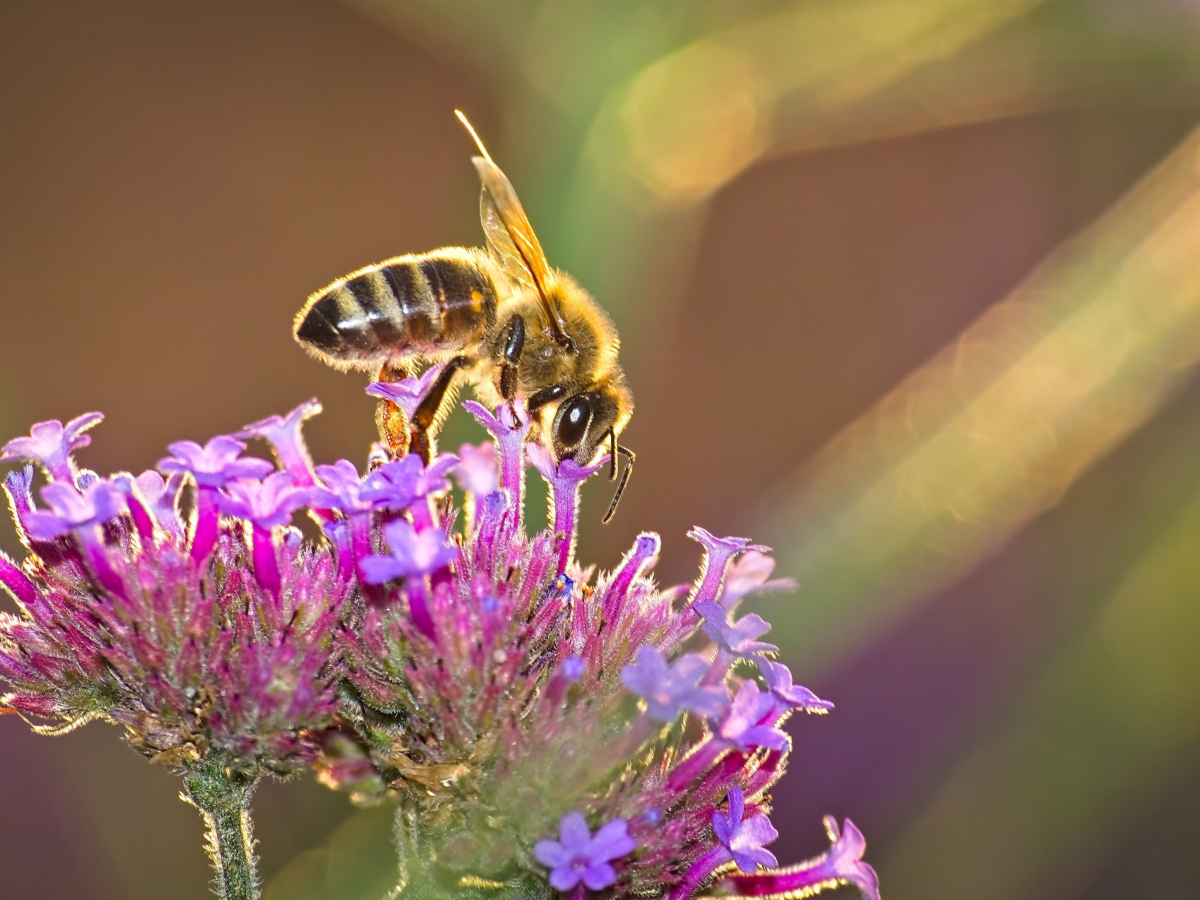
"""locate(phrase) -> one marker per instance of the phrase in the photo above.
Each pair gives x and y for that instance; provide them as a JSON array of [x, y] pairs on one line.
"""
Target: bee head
[[582, 423], [587, 423]]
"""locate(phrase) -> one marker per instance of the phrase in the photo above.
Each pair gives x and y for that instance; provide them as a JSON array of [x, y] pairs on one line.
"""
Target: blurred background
[[909, 289]]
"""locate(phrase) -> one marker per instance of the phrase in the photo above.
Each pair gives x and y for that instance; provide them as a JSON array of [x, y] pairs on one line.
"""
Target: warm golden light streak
[[1000, 423], [696, 118]]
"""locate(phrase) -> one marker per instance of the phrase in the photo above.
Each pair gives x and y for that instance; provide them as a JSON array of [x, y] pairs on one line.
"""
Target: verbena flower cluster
[[542, 729]]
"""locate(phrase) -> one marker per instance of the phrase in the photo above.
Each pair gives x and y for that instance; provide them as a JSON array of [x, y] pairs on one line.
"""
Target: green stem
[[223, 798]]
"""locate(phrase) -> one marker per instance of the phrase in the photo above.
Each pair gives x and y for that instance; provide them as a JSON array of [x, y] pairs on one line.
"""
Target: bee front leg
[[426, 416], [512, 356]]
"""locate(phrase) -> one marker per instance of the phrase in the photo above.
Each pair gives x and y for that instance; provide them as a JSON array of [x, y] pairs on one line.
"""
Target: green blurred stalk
[[223, 799]]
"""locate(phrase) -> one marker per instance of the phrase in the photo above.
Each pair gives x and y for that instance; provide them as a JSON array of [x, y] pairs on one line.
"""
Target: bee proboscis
[[501, 319]]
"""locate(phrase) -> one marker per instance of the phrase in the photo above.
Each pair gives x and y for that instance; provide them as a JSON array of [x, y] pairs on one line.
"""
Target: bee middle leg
[[512, 356], [426, 417]]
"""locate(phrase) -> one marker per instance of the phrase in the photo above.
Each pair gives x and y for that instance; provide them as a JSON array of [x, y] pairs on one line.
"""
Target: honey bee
[[501, 319]]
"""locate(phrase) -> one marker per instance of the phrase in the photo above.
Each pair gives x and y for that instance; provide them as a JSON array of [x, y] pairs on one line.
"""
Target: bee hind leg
[[389, 418]]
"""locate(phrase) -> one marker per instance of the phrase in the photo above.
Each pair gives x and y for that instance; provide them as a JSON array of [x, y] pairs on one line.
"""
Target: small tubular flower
[[579, 856], [744, 838], [215, 464], [71, 510], [735, 638], [50, 444], [746, 725], [283, 433], [779, 681], [413, 553], [841, 865], [211, 467], [671, 689], [408, 392]]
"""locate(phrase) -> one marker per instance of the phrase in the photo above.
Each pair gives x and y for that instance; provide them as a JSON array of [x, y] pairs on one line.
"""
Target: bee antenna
[[612, 507], [612, 457], [478, 143]]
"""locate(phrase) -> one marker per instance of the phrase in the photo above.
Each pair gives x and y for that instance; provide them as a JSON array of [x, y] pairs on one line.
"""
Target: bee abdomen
[[407, 306]]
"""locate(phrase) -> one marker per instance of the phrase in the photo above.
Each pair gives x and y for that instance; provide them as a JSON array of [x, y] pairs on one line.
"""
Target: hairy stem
[[223, 798]]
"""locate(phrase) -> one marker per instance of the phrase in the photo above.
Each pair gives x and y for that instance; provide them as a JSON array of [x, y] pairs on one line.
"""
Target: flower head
[[579, 856], [501, 693], [225, 664]]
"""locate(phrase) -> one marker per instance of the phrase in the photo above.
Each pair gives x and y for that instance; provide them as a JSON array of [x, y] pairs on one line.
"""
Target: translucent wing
[[509, 234], [501, 245]]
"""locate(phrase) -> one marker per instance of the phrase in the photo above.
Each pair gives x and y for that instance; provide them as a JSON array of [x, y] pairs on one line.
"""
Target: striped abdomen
[[407, 306]]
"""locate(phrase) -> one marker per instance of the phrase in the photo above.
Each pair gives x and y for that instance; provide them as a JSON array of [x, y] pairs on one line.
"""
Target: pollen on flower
[[540, 726]]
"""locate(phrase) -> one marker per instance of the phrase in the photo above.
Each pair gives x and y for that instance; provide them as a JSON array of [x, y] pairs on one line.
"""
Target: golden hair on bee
[[501, 319]]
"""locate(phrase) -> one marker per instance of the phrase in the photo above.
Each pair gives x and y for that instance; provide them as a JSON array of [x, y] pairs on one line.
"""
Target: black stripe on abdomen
[[415, 301]]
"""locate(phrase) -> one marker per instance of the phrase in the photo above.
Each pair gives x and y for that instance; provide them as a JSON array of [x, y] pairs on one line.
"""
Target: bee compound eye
[[573, 420]]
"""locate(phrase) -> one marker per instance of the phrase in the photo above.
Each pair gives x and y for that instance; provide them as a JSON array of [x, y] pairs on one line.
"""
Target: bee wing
[[501, 245], [511, 237]]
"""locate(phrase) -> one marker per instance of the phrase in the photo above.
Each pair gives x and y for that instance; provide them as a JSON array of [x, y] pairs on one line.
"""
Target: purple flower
[[408, 392], [670, 689], [339, 488], [476, 471], [215, 464], [779, 682], [748, 575], [743, 724], [508, 426], [738, 638], [268, 503], [51, 444], [396, 485], [744, 839], [579, 856], [433, 477], [413, 553], [72, 510], [283, 433]]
